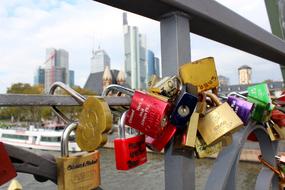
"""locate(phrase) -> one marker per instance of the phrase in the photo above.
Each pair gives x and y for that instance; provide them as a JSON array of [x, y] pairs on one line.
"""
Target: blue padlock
[[183, 109]]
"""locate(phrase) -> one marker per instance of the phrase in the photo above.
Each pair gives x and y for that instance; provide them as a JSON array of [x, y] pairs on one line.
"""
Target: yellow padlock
[[220, 121], [200, 74], [274, 131], [95, 121], [202, 150], [79, 171]]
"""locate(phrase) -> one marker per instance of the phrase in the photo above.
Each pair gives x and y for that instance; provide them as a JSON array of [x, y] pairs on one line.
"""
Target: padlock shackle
[[214, 98], [78, 97], [122, 128], [237, 94], [64, 138], [119, 88]]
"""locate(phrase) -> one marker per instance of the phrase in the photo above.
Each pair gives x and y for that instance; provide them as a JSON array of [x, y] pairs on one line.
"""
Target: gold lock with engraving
[[200, 75], [79, 171], [203, 150], [168, 86], [95, 121], [152, 81], [220, 121]]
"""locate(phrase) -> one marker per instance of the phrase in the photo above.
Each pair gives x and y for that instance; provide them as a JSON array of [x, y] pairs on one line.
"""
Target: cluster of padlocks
[[184, 108]]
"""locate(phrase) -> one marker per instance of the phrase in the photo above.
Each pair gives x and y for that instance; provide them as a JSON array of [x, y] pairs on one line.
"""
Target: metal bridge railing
[[209, 19]]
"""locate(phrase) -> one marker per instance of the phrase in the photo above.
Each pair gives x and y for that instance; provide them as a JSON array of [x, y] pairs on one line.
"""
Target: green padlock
[[259, 95]]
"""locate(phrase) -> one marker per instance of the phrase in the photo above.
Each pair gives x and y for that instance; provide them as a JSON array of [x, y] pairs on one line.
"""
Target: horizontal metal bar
[[214, 21], [53, 100]]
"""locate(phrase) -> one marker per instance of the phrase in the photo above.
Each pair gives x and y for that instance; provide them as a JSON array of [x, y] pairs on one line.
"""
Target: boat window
[[71, 139], [50, 139], [11, 136]]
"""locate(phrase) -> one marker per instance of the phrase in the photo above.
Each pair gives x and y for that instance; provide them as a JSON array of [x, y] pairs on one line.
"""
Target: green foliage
[[36, 113]]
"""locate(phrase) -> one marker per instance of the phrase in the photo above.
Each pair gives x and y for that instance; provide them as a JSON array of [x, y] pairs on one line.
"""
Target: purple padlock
[[242, 107]]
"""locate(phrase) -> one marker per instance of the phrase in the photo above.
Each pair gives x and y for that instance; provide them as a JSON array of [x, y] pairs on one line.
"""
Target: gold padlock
[[278, 129], [190, 74], [274, 131], [95, 121], [77, 172], [152, 81], [168, 86], [220, 121], [202, 150], [191, 131]]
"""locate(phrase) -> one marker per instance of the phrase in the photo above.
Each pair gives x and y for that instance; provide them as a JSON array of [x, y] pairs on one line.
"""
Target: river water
[[149, 176]]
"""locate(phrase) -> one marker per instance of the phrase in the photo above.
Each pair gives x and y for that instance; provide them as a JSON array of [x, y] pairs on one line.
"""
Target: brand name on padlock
[[81, 165], [208, 84]]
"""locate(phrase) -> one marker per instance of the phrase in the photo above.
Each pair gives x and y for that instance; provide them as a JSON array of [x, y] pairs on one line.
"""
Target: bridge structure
[[178, 19]]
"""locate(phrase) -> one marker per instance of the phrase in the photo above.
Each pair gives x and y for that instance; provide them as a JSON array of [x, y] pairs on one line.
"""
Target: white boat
[[44, 139]]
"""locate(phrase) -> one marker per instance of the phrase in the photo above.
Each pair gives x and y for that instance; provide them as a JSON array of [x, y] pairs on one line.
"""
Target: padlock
[[191, 132], [281, 158], [273, 135], [218, 122], [259, 95], [157, 144], [202, 150], [168, 86], [190, 74], [242, 107], [148, 113], [95, 120], [275, 130], [152, 81], [278, 117], [183, 109], [129, 152], [78, 171], [7, 170]]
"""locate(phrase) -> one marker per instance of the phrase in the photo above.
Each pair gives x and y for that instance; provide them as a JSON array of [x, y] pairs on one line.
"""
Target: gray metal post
[[175, 50]]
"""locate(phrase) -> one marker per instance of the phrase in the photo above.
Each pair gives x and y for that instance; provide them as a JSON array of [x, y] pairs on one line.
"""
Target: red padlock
[[148, 113], [7, 170], [278, 117], [157, 144], [129, 152]]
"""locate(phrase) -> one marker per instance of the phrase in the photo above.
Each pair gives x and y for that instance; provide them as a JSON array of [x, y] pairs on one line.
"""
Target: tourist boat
[[47, 138]]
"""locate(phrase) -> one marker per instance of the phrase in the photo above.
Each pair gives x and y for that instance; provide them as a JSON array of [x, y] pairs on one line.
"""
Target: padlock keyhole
[[183, 110]]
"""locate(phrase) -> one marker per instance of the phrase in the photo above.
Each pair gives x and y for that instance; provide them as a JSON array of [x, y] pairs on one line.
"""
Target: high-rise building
[[244, 74], [135, 56], [56, 67], [157, 66], [99, 60], [71, 78], [150, 63], [39, 78]]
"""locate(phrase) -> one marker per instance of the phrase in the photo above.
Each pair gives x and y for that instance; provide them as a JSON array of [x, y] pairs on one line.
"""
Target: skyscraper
[[150, 63], [39, 78], [135, 56], [71, 78], [56, 67], [99, 60], [157, 66]]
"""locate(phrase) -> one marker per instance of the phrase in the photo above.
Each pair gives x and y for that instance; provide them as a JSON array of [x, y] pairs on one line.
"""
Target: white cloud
[[29, 27]]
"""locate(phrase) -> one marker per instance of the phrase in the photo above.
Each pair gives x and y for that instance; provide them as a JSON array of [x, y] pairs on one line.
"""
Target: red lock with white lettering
[[148, 113], [7, 170], [129, 152], [157, 144]]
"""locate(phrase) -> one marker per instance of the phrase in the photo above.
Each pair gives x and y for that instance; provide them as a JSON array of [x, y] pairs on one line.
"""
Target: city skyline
[[77, 27]]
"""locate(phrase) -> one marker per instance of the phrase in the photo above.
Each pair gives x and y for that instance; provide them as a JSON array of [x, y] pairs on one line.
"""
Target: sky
[[78, 26]]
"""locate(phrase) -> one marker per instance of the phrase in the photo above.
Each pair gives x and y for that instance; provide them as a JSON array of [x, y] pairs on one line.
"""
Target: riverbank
[[247, 155]]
